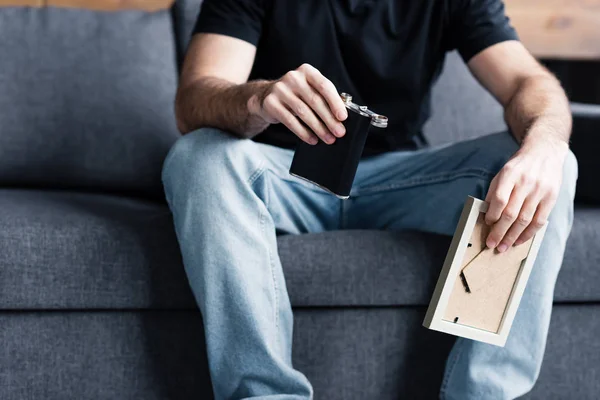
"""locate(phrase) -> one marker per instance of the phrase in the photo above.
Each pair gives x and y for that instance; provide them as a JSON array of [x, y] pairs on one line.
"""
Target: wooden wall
[[558, 29], [565, 34]]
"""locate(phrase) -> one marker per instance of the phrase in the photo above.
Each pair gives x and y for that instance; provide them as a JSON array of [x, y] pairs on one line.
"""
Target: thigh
[[295, 205], [425, 190], [216, 173]]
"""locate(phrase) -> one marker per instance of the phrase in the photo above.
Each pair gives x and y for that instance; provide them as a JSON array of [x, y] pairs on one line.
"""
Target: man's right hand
[[304, 101]]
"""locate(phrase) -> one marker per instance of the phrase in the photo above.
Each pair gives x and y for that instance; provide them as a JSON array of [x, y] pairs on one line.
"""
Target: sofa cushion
[[401, 268], [86, 98], [347, 354], [61, 250], [103, 355], [71, 250]]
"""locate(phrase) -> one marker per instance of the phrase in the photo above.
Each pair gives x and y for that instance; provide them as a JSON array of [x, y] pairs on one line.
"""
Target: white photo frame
[[479, 289]]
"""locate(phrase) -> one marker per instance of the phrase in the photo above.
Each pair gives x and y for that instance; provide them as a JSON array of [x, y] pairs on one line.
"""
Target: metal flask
[[333, 167]]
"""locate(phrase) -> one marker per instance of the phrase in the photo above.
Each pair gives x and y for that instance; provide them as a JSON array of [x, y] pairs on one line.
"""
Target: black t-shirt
[[385, 53]]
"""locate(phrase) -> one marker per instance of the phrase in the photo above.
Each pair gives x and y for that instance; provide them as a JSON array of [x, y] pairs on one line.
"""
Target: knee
[[204, 161], [195, 151], [557, 233], [569, 180], [566, 195]]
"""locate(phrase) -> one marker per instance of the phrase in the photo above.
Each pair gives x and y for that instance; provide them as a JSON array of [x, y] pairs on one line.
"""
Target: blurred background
[[565, 35]]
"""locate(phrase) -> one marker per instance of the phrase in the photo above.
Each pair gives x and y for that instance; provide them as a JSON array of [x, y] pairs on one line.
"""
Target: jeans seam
[[272, 265], [259, 171], [451, 368], [430, 180], [263, 216]]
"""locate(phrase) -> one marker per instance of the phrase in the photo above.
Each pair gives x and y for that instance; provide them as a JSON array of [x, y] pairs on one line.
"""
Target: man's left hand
[[524, 192]]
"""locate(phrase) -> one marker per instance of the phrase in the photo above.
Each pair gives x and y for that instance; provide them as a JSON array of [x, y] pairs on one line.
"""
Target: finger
[[539, 220], [327, 89], [306, 114], [508, 217], [522, 222], [498, 196], [320, 106], [277, 110], [298, 82]]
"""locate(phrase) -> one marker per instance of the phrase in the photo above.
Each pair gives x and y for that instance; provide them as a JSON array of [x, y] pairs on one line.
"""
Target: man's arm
[[213, 89], [214, 92], [537, 111], [533, 98]]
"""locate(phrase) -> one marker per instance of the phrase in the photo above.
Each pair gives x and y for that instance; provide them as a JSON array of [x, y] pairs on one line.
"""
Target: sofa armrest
[[585, 143]]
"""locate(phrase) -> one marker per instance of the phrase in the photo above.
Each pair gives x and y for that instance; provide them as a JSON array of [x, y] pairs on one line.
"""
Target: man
[[271, 71]]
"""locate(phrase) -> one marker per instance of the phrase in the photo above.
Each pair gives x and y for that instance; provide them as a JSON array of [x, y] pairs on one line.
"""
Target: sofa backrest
[[185, 13], [86, 97], [461, 107]]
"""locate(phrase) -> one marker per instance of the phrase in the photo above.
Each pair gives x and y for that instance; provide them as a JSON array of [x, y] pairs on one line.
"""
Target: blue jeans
[[229, 196]]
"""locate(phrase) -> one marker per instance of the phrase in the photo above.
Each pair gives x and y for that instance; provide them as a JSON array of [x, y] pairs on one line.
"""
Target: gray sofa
[[94, 303]]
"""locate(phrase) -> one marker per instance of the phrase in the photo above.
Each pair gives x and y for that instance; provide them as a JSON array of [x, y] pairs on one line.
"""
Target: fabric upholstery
[[77, 251], [73, 251], [570, 369], [102, 356], [348, 354], [185, 13], [385, 268], [86, 98], [461, 108], [585, 143]]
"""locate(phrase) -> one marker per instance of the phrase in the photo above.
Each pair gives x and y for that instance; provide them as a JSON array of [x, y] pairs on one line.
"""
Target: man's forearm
[[214, 102], [539, 110]]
